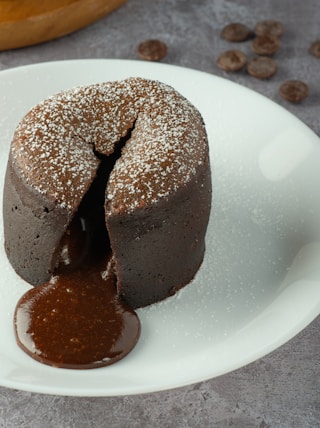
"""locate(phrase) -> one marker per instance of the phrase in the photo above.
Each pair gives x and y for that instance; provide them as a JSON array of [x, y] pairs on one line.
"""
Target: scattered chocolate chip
[[262, 67], [152, 50], [233, 60], [294, 90], [265, 45], [315, 49], [269, 27], [236, 32]]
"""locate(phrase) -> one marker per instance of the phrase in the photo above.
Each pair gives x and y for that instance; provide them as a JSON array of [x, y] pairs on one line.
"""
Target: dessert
[[158, 195], [112, 178]]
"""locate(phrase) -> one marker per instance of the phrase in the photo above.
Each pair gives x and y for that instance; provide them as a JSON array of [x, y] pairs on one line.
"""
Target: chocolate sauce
[[77, 320]]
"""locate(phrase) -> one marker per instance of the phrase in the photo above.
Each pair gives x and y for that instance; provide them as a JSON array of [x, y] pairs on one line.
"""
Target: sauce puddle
[[77, 320]]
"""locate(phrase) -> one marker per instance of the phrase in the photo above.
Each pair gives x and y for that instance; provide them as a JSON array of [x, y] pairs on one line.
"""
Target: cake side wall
[[33, 227], [157, 250]]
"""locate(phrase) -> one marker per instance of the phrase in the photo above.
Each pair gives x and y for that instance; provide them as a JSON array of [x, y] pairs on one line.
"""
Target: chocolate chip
[[265, 45], [294, 90], [315, 49], [232, 60], [269, 27], [236, 32], [262, 67], [152, 50]]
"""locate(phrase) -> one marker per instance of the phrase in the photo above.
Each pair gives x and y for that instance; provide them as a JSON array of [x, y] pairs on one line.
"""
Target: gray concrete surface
[[283, 388]]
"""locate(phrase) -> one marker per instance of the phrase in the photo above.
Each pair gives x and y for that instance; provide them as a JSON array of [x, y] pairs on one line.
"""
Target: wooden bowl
[[28, 22]]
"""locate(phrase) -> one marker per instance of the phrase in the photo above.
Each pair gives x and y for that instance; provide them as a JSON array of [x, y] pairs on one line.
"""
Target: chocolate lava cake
[[148, 146]]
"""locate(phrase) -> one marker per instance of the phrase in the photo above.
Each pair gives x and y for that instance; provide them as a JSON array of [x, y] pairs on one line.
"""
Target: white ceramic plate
[[260, 281]]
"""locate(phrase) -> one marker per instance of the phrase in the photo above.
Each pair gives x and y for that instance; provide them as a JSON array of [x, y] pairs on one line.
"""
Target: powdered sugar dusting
[[57, 139]]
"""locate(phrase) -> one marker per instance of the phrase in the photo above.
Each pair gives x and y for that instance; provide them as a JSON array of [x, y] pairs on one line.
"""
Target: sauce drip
[[77, 320]]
